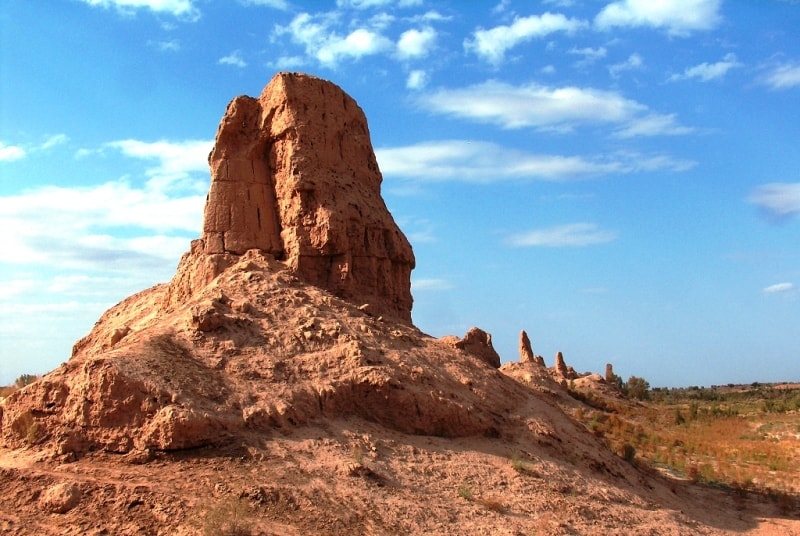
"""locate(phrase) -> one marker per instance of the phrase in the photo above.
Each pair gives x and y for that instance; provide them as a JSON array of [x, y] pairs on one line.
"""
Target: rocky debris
[[60, 498], [293, 174], [477, 343], [118, 334]]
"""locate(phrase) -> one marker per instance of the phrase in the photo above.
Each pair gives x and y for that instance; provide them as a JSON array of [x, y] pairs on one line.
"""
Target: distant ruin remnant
[[610, 373], [525, 350], [561, 366]]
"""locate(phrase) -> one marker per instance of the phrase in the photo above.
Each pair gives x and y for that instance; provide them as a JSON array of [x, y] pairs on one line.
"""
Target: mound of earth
[[277, 386]]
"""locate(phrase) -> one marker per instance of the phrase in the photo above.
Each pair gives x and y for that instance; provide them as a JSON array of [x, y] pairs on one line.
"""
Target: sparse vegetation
[[491, 503], [637, 388], [519, 465], [19, 383], [230, 517], [740, 437], [25, 379], [358, 454]]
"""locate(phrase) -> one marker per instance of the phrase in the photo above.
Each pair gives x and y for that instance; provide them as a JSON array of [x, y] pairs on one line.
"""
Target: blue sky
[[619, 178]]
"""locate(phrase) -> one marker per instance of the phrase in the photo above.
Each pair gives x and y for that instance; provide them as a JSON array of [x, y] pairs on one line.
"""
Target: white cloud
[[501, 7], [778, 288], [173, 45], [484, 162], [532, 105], [545, 108], [783, 76], [709, 71], [184, 9], [492, 44], [52, 141], [430, 284], [678, 17], [176, 161], [9, 153], [633, 62], [417, 79], [365, 4], [653, 125], [416, 43], [568, 235], [780, 200], [321, 42], [234, 58], [114, 225], [589, 54], [277, 4]]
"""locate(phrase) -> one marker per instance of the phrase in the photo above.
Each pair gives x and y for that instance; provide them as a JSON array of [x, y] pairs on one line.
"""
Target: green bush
[[637, 388]]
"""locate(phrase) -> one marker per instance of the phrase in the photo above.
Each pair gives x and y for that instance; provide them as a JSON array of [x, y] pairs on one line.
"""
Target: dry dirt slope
[[311, 416]]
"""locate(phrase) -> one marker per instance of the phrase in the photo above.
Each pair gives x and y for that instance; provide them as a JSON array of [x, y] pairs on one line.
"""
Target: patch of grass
[[229, 517], [519, 465], [465, 492]]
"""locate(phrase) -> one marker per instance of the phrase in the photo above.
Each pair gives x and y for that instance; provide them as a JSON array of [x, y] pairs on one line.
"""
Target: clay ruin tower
[[293, 173]]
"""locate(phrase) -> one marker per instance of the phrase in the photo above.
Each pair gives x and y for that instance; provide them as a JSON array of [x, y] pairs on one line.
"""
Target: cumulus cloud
[[784, 76], [115, 225], [547, 108], [633, 62], [416, 43], [778, 200], [234, 58], [9, 153], [484, 162], [417, 79], [77, 232], [709, 71], [176, 161], [568, 235], [677, 17], [778, 288], [492, 44], [183, 9], [316, 34]]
